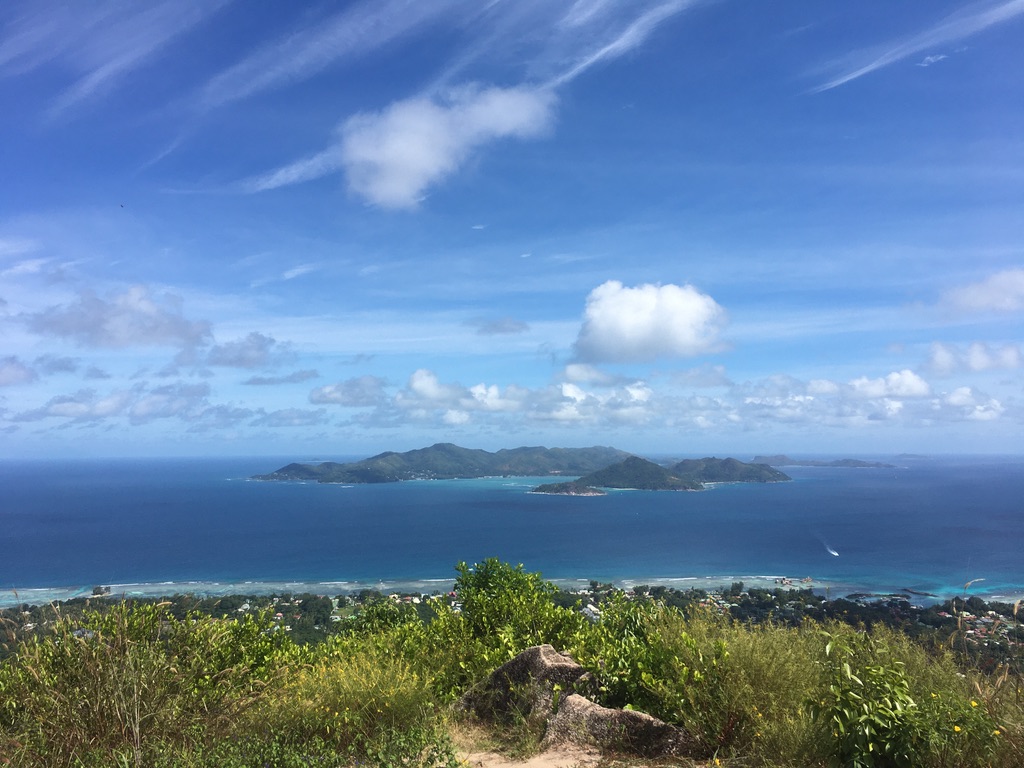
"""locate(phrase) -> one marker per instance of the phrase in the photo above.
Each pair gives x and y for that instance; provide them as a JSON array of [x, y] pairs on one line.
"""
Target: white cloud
[[491, 398], [424, 385], [133, 318], [903, 383], [358, 392], [927, 61], [392, 157], [822, 387], [455, 418], [946, 359], [980, 357], [83, 406], [13, 371], [970, 20], [296, 377], [1001, 292], [174, 400], [973, 406], [642, 324], [583, 373], [254, 351]]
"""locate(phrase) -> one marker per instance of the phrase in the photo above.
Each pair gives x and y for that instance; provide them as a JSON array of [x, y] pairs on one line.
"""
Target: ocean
[[147, 527]]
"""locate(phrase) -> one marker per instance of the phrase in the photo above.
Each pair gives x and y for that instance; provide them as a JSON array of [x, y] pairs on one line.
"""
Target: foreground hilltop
[[445, 461]]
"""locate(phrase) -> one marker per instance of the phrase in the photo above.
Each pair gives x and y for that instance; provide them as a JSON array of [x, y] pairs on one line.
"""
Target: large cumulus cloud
[[648, 322]]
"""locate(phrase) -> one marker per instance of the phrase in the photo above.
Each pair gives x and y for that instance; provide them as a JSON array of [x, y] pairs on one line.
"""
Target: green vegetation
[[140, 685], [445, 461], [639, 474], [571, 488], [711, 470]]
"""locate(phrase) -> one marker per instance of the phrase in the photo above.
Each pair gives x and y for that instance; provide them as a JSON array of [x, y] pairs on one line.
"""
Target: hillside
[[639, 474], [687, 475], [445, 461], [712, 470]]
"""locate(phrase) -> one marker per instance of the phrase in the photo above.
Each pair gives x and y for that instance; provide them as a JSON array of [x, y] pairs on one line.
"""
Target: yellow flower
[[997, 732], [956, 729], [974, 703]]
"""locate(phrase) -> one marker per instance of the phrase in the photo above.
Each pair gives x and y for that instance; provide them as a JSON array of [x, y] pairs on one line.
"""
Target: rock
[[527, 685], [581, 721]]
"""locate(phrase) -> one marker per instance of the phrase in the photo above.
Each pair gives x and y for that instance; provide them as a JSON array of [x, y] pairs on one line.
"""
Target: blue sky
[[672, 227]]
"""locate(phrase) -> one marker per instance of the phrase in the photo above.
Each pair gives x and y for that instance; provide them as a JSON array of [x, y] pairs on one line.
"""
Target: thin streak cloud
[[631, 37], [978, 17], [307, 51]]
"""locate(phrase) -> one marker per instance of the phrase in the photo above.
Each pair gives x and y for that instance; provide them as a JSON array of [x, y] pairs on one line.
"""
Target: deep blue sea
[[177, 525]]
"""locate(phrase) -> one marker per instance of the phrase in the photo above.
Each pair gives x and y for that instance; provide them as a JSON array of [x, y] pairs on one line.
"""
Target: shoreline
[[14, 596]]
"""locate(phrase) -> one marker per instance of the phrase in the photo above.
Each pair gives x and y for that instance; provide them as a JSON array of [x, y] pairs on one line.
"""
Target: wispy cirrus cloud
[[392, 156], [307, 50], [966, 22], [96, 45]]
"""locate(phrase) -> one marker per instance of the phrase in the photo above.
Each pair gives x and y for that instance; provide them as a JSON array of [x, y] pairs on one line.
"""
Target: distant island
[[784, 461], [445, 461], [635, 473], [596, 468], [571, 488]]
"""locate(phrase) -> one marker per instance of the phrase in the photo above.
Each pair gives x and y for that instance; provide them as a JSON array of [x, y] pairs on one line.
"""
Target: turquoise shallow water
[[199, 525]]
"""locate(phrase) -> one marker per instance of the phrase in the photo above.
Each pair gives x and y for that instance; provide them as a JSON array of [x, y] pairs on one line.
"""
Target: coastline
[[15, 596]]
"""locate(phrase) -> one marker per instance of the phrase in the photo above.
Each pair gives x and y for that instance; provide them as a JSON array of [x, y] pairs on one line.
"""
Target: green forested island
[[688, 475], [445, 461], [781, 460], [597, 467]]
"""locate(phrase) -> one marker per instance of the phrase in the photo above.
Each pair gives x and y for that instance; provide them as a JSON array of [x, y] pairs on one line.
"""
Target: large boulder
[[543, 684], [581, 721], [526, 685]]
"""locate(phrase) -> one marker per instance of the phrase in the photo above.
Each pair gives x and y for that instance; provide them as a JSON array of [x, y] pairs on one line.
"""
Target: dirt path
[[563, 757]]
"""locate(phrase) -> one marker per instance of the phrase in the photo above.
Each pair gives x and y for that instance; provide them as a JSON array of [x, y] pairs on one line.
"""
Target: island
[[571, 488], [445, 461], [782, 460], [634, 473]]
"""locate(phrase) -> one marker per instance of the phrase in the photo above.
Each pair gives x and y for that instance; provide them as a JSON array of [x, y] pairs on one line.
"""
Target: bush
[[355, 701], [130, 684]]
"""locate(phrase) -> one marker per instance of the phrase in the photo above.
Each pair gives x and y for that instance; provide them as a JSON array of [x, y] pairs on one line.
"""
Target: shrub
[[355, 701], [130, 684]]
